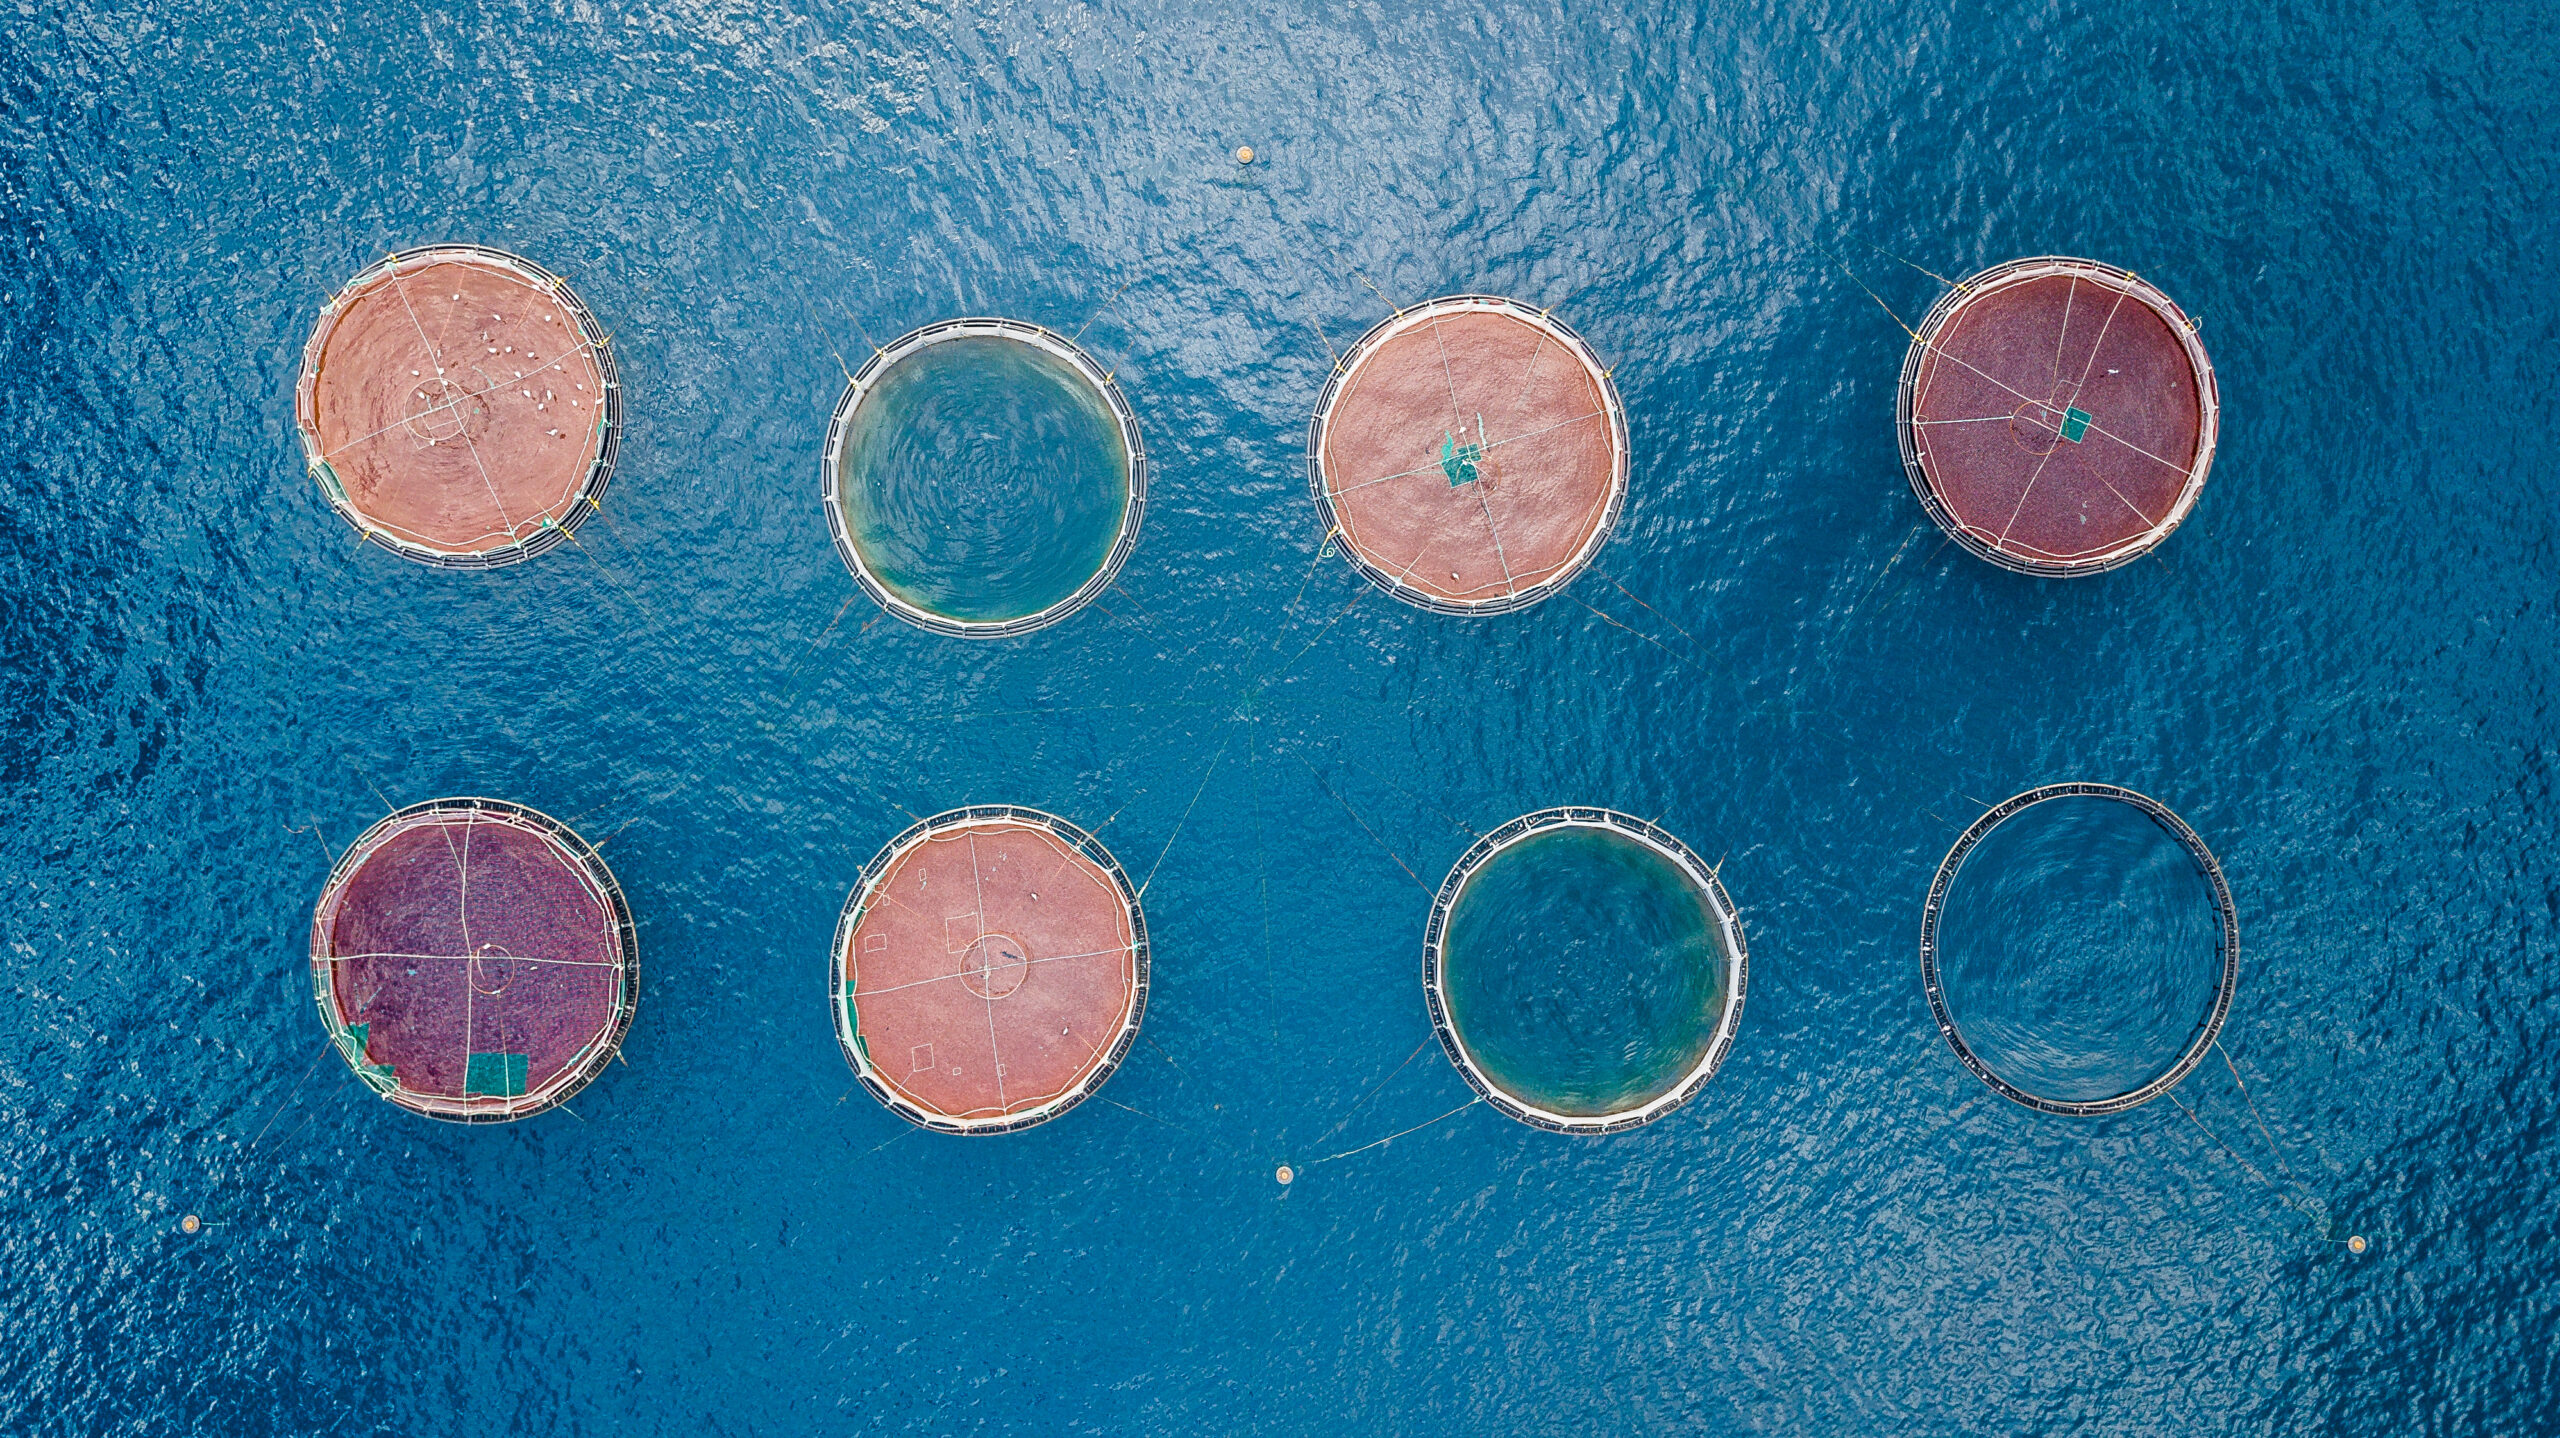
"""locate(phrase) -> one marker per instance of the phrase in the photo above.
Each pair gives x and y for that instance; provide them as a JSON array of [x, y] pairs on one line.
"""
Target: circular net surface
[[1470, 456], [474, 960], [990, 970], [1584, 970], [2080, 949], [2057, 416], [983, 478], [459, 406]]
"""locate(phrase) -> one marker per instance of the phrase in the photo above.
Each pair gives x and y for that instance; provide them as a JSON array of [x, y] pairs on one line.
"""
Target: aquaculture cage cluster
[[459, 406], [474, 960], [990, 970], [873, 413], [2226, 976], [2057, 416], [1723, 929], [1469, 455]]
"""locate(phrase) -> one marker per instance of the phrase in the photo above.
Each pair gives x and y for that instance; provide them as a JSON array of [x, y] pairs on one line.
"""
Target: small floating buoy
[[1244, 156], [2355, 1243], [1285, 1175], [191, 1223]]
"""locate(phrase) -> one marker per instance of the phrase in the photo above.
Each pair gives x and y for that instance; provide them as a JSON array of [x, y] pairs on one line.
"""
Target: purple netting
[[468, 934]]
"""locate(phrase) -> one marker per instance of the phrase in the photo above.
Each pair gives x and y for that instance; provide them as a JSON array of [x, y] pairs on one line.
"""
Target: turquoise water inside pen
[[984, 479], [2079, 949], [1583, 972], [2340, 670]]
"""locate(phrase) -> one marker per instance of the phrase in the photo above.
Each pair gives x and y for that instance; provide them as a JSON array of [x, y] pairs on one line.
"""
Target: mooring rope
[[1871, 294], [1177, 1128], [1289, 611], [2252, 1101], [792, 699], [327, 1047], [1898, 551], [1399, 1133], [2319, 1221], [1205, 776], [1168, 1058], [1924, 269], [1640, 604], [2273, 1148], [313, 829], [904, 1129], [1348, 605], [1262, 878], [1676, 656], [1460, 824], [1364, 826], [1106, 307], [1349, 1113]]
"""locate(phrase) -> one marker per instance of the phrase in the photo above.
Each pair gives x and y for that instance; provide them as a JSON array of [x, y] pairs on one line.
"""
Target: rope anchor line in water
[[2309, 1205], [1399, 1133], [1364, 826], [1362, 1101]]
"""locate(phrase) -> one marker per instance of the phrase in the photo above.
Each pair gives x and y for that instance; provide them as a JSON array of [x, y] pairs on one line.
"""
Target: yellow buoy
[[1244, 156], [191, 1223], [1285, 1174], [2355, 1243]]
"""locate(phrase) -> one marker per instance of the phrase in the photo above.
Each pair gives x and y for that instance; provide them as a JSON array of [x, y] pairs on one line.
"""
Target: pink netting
[[2058, 418], [469, 935]]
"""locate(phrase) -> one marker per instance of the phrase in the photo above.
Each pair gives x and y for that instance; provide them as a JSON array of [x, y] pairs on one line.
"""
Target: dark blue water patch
[[2078, 949], [984, 479], [1584, 971]]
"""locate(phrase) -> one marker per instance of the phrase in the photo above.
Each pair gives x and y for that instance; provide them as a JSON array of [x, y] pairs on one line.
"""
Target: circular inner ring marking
[[995, 965], [2036, 426], [440, 411], [492, 972]]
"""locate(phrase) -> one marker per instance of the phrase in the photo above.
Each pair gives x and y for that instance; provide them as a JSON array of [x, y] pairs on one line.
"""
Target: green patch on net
[[1459, 461]]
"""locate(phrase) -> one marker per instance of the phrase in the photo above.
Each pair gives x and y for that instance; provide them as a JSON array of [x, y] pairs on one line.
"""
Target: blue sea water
[[2079, 949], [2341, 671], [1583, 971]]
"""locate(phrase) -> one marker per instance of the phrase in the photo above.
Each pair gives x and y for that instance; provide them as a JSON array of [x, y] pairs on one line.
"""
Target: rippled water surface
[[1583, 971], [2078, 949], [983, 479], [2340, 671]]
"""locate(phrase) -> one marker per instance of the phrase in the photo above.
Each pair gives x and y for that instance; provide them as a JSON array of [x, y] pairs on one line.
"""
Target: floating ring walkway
[[1728, 934], [459, 406], [474, 960], [2226, 944], [2057, 416], [989, 970], [1469, 454], [865, 384]]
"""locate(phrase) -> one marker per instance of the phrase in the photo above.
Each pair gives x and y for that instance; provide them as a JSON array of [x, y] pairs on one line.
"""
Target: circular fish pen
[[983, 478], [2092, 968], [2057, 416], [1584, 971], [990, 970], [474, 960], [459, 406], [1469, 455]]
